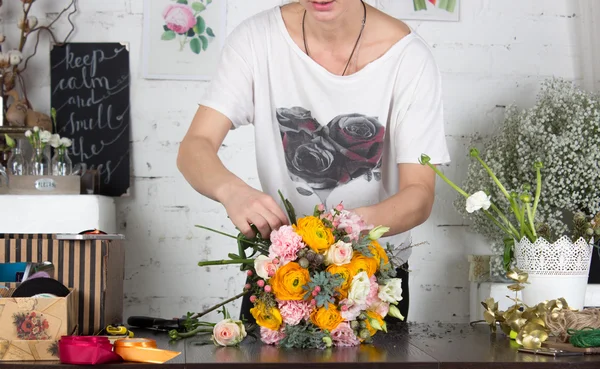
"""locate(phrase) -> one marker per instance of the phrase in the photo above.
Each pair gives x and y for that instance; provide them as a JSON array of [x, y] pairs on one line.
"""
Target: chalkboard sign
[[90, 92]]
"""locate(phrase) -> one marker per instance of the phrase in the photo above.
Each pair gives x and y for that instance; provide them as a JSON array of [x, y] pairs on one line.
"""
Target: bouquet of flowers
[[322, 281]]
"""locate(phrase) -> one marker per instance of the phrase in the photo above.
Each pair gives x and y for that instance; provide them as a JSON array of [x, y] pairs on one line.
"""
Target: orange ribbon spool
[[142, 350]]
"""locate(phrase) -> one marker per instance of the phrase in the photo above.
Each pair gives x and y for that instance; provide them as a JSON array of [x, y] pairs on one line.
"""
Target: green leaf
[[201, 24], [208, 2], [165, 28], [168, 35], [198, 6], [191, 32], [204, 42], [182, 2], [195, 45], [210, 32]]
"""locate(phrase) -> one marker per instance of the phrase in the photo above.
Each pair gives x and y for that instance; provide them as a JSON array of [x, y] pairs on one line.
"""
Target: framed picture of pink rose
[[183, 38], [429, 10]]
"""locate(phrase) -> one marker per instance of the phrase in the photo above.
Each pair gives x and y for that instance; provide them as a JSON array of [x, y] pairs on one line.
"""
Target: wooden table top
[[421, 346]]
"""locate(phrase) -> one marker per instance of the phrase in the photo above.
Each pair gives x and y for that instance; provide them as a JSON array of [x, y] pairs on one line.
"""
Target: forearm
[[401, 212], [202, 168]]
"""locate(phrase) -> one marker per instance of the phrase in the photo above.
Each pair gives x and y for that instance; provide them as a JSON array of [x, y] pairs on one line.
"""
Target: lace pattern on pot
[[562, 257]]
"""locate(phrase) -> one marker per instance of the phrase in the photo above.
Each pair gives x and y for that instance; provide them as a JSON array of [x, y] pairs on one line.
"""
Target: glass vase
[[61, 163], [17, 165], [39, 165]]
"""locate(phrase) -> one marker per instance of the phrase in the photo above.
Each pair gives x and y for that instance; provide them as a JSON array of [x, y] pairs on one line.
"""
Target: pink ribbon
[[86, 350]]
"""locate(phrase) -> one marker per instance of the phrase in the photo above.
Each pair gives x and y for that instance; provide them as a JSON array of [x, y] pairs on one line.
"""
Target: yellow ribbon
[[142, 350]]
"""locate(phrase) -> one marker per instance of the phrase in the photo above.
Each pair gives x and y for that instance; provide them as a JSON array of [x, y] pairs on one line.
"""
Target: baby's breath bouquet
[[562, 130]]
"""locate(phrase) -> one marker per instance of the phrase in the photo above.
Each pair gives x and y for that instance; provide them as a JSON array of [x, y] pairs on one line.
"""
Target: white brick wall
[[496, 55]]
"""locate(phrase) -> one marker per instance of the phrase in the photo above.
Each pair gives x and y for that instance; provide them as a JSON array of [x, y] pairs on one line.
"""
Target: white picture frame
[[174, 49]]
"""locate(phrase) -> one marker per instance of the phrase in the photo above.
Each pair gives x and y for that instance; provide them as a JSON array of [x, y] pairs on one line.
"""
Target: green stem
[[442, 176], [225, 262], [231, 236], [491, 217], [176, 335], [538, 189], [496, 180], [199, 315], [530, 216], [510, 226], [419, 5]]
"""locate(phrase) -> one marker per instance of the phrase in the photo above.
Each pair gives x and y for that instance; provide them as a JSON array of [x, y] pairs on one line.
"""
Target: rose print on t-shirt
[[327, 156]]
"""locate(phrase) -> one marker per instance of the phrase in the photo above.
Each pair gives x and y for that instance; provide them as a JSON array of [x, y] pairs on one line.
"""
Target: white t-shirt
[[324, 138]]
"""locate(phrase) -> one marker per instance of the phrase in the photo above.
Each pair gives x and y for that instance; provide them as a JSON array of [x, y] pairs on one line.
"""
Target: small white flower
[[28, 133], [45, 136], [15, 57], [478, 200], [54, 140], [36, 129], [359, 289], [65, 142], [391, 292]]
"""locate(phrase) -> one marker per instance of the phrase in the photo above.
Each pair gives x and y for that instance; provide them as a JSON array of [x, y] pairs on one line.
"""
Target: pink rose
[[343, 336], [264, 266], [293, 312], [339, 253], [271, 337], [228, 332], [285, 244], [351, 223], [380, 307], [179, 18]]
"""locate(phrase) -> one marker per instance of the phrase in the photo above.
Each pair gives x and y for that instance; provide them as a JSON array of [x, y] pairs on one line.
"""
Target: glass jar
[[17, 165], [61, 163], [39, 165]]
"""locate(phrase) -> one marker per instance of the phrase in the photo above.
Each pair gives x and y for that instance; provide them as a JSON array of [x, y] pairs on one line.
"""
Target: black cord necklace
[[357, 40]]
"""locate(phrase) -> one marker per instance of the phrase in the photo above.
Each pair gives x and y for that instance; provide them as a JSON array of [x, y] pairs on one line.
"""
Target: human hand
[[247, 206]]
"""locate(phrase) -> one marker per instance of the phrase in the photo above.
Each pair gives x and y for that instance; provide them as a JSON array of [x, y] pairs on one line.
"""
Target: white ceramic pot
[[555, 270]]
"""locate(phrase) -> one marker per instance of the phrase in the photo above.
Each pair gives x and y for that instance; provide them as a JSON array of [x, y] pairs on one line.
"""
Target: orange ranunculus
[[346, 274], [378, 253], [378, 318], [314, 233], [326, 318], [268, 318], [288, 282], [361, 263]]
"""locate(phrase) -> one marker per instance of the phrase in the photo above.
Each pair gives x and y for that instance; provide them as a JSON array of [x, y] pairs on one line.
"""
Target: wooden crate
[[42, 185]]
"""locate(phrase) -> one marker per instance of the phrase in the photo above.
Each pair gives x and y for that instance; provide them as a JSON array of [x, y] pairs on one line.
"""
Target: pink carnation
[[285, 244], [374, 289], [343, 336], [271, 337], [179, 18], [351, 311], [351, 223], [293, 312]]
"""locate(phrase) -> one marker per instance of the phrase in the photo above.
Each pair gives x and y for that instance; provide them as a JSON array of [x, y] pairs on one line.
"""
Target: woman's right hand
[[246, 206]]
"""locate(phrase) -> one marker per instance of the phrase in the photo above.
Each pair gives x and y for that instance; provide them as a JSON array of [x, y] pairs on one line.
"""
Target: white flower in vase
[[478, 200], [65, 142], [55, 140], [45, 136]]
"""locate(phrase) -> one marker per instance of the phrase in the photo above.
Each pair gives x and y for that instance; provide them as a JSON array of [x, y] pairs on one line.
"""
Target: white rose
[[28, 133], [339, 253], [228, 332], [478, 200], [359, 289], [392, 291], [45, 136], [54, 140], [264, 267], [65, 142]]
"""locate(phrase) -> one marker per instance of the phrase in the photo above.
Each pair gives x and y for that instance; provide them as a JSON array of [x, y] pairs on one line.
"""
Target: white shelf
[[56, 213]]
